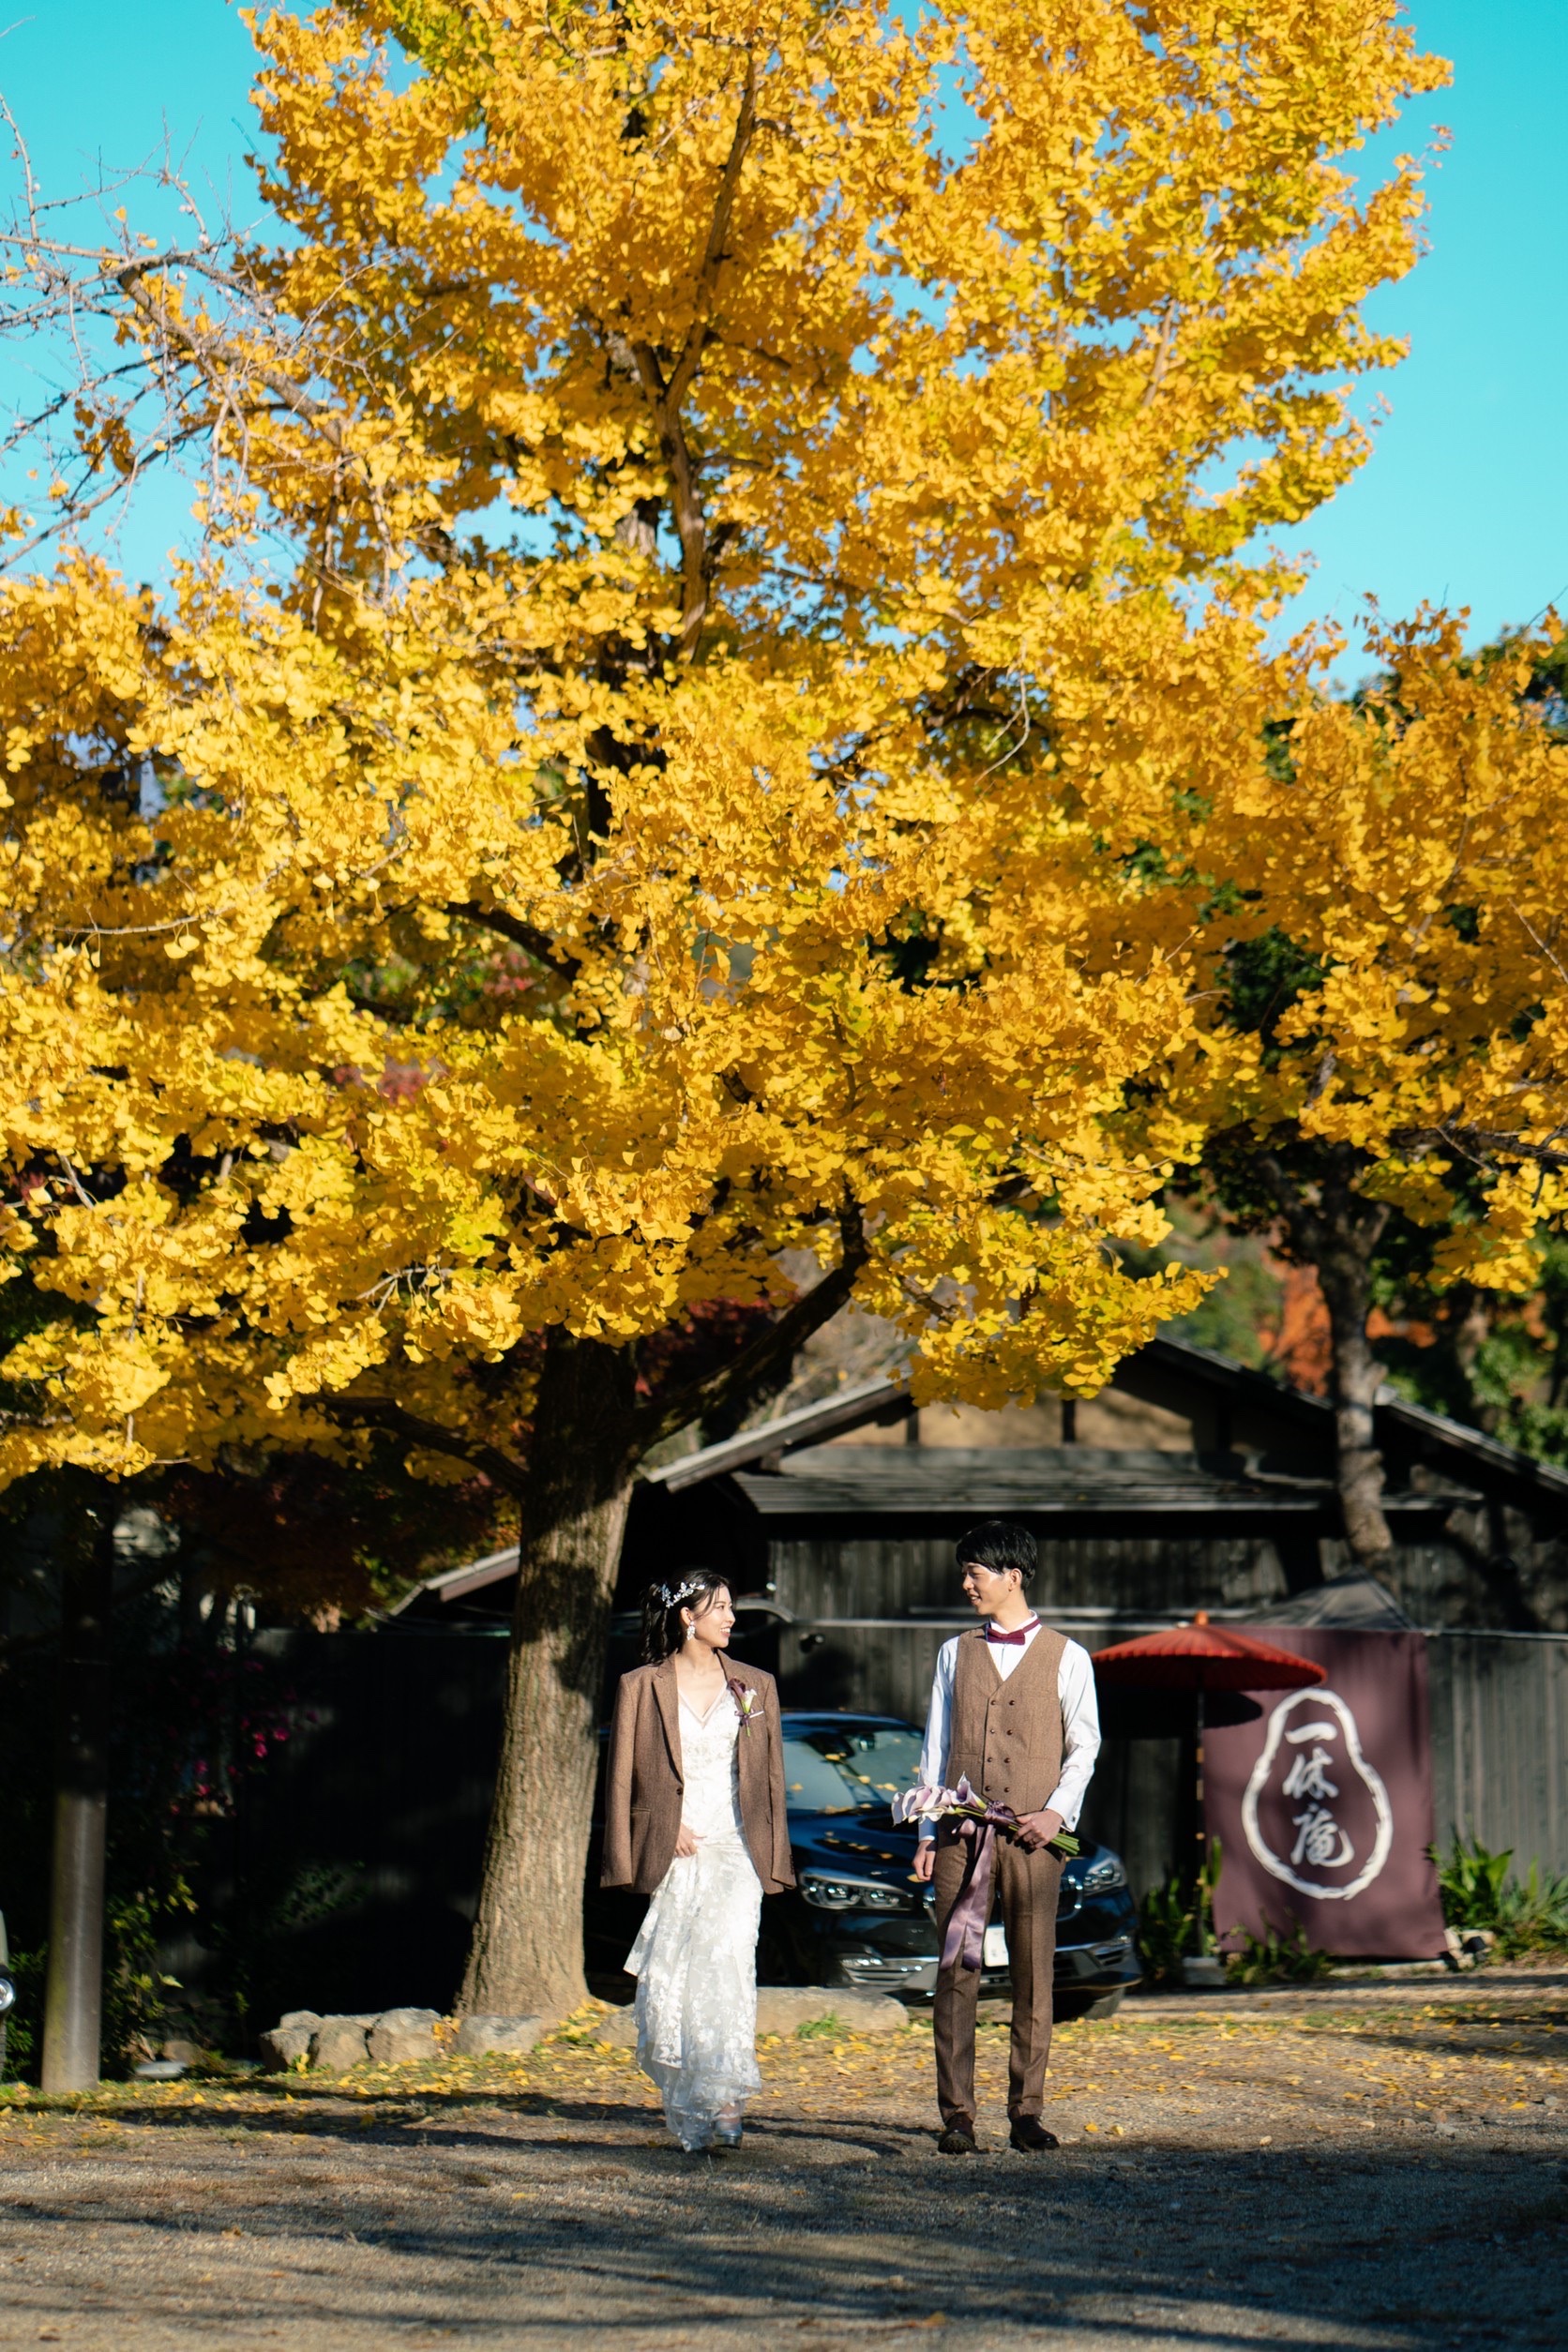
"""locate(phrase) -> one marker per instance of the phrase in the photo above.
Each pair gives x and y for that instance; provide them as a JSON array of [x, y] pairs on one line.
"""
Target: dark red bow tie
[[1019, 1637]]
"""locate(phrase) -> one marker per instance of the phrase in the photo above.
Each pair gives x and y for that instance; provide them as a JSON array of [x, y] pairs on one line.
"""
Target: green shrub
[[1165, 1931], [1177, 1920], [1275, 1959], [1480, 1892], [1471, 1880], [1533, 1913]]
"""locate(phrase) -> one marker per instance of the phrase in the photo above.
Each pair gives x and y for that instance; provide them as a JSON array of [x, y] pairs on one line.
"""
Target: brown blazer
[[643, 1784]]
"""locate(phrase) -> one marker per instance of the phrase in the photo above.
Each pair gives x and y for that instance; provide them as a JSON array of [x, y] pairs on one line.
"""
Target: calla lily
[[747, 1701], [924, 1804]]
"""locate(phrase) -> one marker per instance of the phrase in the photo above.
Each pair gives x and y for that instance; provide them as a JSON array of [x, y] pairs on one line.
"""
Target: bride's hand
[[686, 1843]]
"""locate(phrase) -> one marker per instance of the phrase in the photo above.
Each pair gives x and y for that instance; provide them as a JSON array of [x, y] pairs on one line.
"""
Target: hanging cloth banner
[[1323, 1807]]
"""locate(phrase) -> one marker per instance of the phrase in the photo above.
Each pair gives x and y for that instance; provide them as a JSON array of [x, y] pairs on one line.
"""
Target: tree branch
[[809, 1312], [383, 1412], [214, 354], [718, 230], [667, 397], [1481, 1145], [537, 943], [210, 350]]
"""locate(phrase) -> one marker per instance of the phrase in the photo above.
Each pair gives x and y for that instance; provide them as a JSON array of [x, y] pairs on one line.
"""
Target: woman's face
[[711, 1619]]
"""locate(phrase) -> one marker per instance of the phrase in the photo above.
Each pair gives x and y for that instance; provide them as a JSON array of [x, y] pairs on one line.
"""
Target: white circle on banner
[[1323, 1827]]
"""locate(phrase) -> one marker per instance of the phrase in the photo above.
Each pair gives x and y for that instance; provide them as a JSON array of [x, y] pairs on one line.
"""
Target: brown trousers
[[1028, 1885]]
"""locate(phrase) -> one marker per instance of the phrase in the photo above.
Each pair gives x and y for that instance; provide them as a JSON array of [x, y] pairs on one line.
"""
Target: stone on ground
[[497, 2036], [403, 2037], [785, 2008], [285, 2045], [619, 2030], [337, 2044]]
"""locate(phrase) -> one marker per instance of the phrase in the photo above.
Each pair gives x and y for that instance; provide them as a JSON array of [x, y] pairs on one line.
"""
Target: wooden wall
[[1142, 1800], [837, 1573], [1500, 1734], [384, 1789], [1499, 1742]]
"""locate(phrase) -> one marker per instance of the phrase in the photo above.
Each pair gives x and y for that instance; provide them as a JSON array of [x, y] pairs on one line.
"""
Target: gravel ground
[[1379, 2173]]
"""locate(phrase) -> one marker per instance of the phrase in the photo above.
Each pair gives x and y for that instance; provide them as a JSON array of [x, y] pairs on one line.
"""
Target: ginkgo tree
[[1387, 1027], [743, 478]]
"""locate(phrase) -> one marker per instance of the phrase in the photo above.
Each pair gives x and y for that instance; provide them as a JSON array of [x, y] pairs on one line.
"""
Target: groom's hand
[[924, 1859], [1037, 1830]]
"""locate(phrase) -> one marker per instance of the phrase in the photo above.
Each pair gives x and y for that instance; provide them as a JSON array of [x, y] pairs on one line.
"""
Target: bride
[[694, 1817]]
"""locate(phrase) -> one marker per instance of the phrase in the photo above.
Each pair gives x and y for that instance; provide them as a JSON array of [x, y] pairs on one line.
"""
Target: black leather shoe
[[1030, 2134], [958, 2140]]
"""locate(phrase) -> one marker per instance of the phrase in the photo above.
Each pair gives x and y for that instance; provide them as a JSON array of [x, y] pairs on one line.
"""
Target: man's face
[[988, 1589]]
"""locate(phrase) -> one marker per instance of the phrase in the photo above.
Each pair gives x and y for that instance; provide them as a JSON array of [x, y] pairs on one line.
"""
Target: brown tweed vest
[[1007, 1736]]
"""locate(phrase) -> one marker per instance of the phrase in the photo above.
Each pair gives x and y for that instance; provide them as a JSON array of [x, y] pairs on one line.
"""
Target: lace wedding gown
[[695, 1957]]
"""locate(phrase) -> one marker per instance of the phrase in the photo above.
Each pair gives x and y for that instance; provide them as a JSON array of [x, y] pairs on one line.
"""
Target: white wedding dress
[[695, 1957]]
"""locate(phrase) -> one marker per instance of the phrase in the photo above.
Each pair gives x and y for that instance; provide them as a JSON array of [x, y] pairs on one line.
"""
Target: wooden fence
[[1499, 1742]]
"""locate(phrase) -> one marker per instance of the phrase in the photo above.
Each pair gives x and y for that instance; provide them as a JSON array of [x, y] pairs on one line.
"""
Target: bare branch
[[666, 397], [537, 943], [1483, 1146], [433, 1436], [775, 1344]]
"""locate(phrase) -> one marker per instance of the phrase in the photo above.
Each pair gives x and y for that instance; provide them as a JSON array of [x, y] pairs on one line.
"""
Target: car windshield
[[850, 1768]]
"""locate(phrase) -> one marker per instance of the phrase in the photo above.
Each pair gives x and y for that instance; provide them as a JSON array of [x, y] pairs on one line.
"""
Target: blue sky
[[1464, 501]]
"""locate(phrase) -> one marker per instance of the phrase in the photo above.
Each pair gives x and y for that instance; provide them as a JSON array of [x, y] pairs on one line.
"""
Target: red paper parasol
[[1201, 1657]]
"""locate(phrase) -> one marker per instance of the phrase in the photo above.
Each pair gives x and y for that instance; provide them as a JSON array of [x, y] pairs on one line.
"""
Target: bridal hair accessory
[[681, 1592], [978, 1824]]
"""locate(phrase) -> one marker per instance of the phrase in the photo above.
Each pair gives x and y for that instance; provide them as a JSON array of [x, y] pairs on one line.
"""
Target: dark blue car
[[858, 1915]]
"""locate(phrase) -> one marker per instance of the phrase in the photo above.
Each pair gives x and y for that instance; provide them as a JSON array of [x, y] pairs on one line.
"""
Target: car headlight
[[1102, 1876], [853, 1894]]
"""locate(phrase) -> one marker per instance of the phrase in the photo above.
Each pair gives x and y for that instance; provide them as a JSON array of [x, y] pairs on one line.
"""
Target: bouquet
[[979, 1822], [939, 1804]]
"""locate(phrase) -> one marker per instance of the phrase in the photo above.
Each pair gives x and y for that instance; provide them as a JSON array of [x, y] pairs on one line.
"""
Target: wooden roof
[[1044, 1481]]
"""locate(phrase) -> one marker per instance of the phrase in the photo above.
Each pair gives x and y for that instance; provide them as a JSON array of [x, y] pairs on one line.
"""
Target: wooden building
[[1191, 1483]]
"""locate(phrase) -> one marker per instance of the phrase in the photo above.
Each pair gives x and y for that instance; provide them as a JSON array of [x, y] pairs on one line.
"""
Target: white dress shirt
[[1081, 1722]]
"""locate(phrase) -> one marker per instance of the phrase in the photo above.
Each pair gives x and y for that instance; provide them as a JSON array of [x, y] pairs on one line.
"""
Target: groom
[[1012, 1706]]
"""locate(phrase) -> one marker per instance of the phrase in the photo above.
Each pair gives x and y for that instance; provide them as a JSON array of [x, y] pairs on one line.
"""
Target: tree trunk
[[73, 1995], [1329, 1224], [526, 1956], [1345, 1272]]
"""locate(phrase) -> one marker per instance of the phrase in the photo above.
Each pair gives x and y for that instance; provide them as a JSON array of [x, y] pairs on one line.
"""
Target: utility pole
[[73, 1996], [8, 1991]]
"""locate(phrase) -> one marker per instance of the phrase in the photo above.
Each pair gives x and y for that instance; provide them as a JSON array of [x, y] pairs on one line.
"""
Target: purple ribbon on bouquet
[[965, 1939], [978, 1822]]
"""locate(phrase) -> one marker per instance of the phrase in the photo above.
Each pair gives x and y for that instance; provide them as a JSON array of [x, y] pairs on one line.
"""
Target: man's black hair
[[999, 1544]]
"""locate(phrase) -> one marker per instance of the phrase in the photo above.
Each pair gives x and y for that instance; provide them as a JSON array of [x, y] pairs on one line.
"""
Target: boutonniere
[[748, 1703]]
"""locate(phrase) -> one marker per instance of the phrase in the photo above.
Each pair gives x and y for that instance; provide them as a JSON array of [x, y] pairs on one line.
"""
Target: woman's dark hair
[[999, 1544], [688, 1589]]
